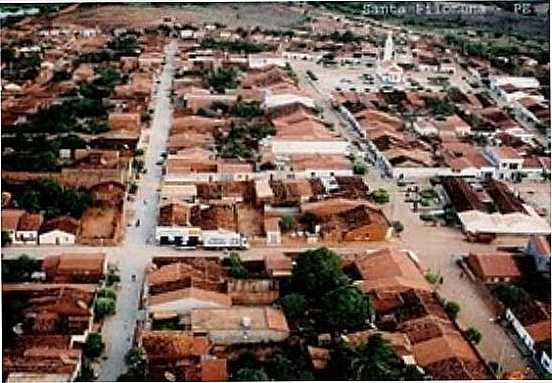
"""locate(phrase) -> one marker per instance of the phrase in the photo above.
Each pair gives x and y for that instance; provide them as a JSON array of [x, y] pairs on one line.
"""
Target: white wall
[[322, 147], [50, 237]]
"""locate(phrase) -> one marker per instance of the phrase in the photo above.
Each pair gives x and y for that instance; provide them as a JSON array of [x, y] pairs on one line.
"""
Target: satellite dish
[[170, 376]]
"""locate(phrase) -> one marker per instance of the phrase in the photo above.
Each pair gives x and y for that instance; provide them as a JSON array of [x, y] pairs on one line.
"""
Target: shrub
[[397, 226], [104, 307], [431, 277], [287, 223], [359, 169], [452, 309], [380, 196], [107, 292], [237, 270], [94, 345], [473, 335]]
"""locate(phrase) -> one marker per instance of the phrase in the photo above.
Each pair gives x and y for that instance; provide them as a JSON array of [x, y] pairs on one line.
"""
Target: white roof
[[273, 101], [519, 82], [513, 223]]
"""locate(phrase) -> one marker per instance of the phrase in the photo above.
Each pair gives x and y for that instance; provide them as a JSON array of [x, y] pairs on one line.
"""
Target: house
[[388, 268], [506, 160], [83, 73], [10, 220], [320, 165], [497, 224], [277, 266], [272, 231], [173, 225], [184, 356], [263, 192], [506, 87], [530, 321], [259, 60], [75, 268], [455, 125], [183, 301], [180, 193], [240, 325], [59, 231], [124, 121], [495, 267], [27, 229], [340, 219], [538, 248], [253, 292]]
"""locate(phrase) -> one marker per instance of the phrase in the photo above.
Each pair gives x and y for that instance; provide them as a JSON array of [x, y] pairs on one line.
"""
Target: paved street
[[134, 254]]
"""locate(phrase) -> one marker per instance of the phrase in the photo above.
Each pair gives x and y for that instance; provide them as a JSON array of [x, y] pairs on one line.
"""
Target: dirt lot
[[98, 223], [272, 15]]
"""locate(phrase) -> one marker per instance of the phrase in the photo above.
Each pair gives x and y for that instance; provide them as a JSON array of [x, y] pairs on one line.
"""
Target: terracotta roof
[[489, 265], [442, 348], [213, 370], [190, 293], [271, 224], [174, 214], [30, 222], [262, 318], [506, 152], [76, 263], [319, 357], [335, 206], [66, 224], [10, 218], [278, 263], [299, 162], [124, 121], [389, 268], [173, 345], [540, 331]]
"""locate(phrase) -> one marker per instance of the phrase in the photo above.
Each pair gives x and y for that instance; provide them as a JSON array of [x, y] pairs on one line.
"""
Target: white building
[[260, 60], [506, 160]]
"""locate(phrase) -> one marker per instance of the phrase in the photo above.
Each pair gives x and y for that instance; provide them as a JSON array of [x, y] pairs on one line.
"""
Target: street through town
[[135, 253]]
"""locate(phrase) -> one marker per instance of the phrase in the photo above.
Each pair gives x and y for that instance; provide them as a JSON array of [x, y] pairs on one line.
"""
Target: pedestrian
[[441, 280]]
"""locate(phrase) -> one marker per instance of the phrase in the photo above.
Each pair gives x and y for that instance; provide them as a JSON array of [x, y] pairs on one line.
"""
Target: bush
[[107, 292], [380, 196], [452, 309], [397, 226], [510, 295], [473, 335], [112, 278], [6, 239], [104, 307], [237, 270], [94, 345], [287, 223], [431, 277], [359, 169], [251, 375]]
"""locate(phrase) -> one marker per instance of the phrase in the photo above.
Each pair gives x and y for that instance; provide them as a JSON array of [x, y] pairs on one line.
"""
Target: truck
[[223, 239]]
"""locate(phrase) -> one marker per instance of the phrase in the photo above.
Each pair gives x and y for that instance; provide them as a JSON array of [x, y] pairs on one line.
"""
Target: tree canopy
[[318, 271]]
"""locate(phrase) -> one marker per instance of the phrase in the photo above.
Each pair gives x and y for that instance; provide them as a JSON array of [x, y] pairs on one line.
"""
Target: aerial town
[[275, 191]]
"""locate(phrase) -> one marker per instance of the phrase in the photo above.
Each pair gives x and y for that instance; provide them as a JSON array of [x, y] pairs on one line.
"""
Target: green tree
[[452, 309], [6, 239], [107, 292], [94, 345], [251, 375], [222, 79], [359, 169], [135, 359], [294, 305], [237, 270], [473, 335], [287, 223], [104, 307], [380, 196], [345, 308], [20, 270], [317, 271], [373, 360], [510, 295], [309, 220]]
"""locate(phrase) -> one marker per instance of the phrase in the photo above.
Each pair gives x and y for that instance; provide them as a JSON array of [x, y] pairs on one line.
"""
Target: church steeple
[[388, 51]]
